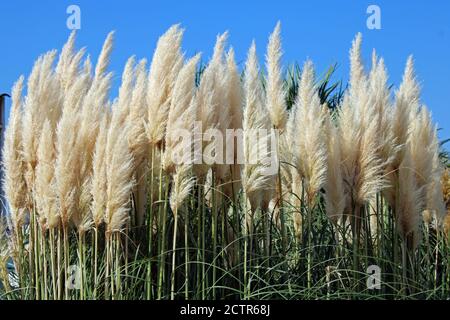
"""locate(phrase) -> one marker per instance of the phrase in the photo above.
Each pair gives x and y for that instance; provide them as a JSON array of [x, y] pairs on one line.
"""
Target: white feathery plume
[[275, 91], [94, 104], [374, 65], [362, 167], [66, 55], [14, 184], [120, 182], [68, 66], [423, 147], [120, 107], [285, 149], [166, 63], [254, 176], [137, 138], [232, 175], [43, 101], [87, 69], [103, 58], [308, 137], [126, 91], [424, 152], [210, 111], [45, 195], [405, 110], [99, 182], [406, 105], [358, 77], [137, 115], [379, 101], [69, 150], [235, 91], [85, 216], [212, 106], [407, 211], [225, 118], [180, 115], [119, 161], [183, 181]]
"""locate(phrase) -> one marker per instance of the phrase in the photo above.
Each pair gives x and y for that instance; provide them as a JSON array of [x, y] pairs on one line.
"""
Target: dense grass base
[[219, 254]]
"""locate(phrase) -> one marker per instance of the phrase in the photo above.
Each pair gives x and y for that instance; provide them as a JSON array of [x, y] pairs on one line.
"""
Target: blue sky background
[[320, 30]]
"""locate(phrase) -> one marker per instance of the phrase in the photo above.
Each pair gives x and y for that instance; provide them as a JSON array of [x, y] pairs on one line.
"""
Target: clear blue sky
[[320, 30]]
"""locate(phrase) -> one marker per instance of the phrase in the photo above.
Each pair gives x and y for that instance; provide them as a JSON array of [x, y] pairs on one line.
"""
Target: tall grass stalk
[[174, 254]]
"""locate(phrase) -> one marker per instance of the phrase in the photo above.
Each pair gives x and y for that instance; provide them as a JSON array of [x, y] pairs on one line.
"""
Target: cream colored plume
[[307, 136], [380, 101], [94, 105], [99, 183], [137, 138], [183, 182], [211, 100], [234, 91], [166, 63], [121, 108], [137, 115], [275, 90], [69, 63], [103, 59], [126, 91], [424, 146], [43, 101], [358, 77], [406, 105], [45, 195], [232, 175], [70, 150], [405, 109], [181, 117], [14, 184], [255, 179], [362, 167], [408, 212], [120, 182]]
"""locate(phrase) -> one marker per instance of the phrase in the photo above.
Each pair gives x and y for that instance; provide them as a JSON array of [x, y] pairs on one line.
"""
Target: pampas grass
[[308, 136], [234, 96], [43, 90], [335, 197], [13, 163], [409, 202], [45, 179], [361, 164], [275, 86], [254, 180], [99, 182], [181, 116], [210, 98], [166, 63], [119, 185], [137, 139], [98, 190]]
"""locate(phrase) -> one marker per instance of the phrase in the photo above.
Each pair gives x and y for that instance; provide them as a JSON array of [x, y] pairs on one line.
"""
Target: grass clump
[[101, 206]]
